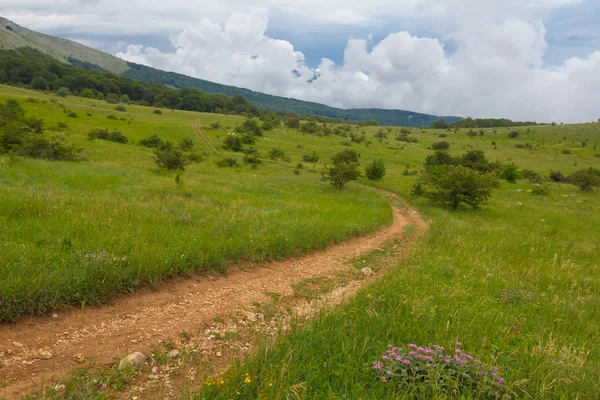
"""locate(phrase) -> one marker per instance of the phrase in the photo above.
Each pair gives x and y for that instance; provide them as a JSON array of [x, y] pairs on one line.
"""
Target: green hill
[[13, 36]]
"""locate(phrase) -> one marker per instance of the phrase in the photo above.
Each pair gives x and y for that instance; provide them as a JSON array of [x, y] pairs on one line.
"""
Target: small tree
[[87, 93], [232, 142], [168, 157], [453, 185], [510, 173], [39, 83], [375, 171], [63, 92], [344, 169], [585, 179]]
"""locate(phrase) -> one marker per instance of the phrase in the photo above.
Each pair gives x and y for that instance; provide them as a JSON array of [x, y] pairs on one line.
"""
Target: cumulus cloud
[[496, 69]]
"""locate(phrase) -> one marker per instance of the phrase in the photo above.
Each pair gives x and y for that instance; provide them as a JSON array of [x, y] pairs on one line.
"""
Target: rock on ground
[[136, 360]]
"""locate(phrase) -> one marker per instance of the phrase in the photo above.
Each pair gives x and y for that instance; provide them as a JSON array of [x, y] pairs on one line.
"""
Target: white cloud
[[495, 71]]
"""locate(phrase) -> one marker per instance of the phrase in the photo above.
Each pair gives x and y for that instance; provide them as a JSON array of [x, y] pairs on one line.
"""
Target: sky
[[525, 60]]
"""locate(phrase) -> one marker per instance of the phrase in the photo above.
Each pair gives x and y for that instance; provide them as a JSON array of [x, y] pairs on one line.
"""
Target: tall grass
[[518, 285]]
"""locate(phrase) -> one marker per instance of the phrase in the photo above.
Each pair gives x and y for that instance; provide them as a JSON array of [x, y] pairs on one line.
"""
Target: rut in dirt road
[[38, 350], [202, 136]]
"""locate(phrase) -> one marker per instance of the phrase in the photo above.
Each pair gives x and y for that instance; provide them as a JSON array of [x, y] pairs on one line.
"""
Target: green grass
[[77, 233], [453, 287], [517, 282]]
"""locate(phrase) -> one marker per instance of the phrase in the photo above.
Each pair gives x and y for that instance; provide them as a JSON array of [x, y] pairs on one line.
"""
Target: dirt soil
[[40, 350]]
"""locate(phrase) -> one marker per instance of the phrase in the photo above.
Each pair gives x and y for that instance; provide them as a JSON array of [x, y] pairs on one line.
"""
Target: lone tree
[[375, 171], [344, 169], [453, 185]]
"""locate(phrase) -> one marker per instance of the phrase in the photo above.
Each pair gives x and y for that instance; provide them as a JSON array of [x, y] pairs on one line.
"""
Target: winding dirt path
[[137, 322], [202, 136]]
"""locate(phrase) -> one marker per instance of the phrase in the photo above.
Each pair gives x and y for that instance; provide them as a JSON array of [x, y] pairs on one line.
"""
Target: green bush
[[227, 162], [152, 141], [311, 158], [344, 169], [443, 145], [87, 93], [120, 108], [63, 92], [540, 190], [532, 176], [585, 179], [166, 156], [157, 112], [375, 171], [104, 134], [556, 176], [39, 83], [278, 154], [514, 134], [452, 186], [186, 144], [232, 142], [111, 98], [510, 173]]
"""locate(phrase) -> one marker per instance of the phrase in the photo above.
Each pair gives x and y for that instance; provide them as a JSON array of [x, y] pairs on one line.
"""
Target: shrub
[[443, 145], [540, 190], [375, 171], [566, 151], [556, 176], [51, 148], [226, 162], [232, 142], [250, 126], [293, 122], [277, 153], [510, 173], [513, 134], [157, 112], [532, 176], [312, 158], [186, 144], [104, 134], [310, 127], [442, 135], [120, 108], [112, 116], [87, 93], [406, 131], [251, 157], [63, 92], [585, 179], [344, 169], [152, 141], [216, 125], [39, 83], [449, 374], [453, 185], [111, 98], [166, 156]]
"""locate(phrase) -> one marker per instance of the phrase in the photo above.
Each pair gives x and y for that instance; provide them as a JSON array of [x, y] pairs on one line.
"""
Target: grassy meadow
[[517, 282], [77, 233]]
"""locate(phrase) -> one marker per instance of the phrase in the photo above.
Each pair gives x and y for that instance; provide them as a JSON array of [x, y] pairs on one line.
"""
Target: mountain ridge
[[13, 36]]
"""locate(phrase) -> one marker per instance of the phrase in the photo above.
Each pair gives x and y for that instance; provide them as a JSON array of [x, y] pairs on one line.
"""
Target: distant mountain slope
[[277, 103], [13, 36]]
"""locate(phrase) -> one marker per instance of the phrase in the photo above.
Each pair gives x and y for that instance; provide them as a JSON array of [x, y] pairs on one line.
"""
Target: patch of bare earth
[[209, 320]]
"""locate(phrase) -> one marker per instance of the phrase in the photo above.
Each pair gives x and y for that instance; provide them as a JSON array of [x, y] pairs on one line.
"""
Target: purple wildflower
[[389, 373], [500, 379], [384, 357], [407, 362], [384, 379], [412, 346], [377, 365], [459, 343]]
